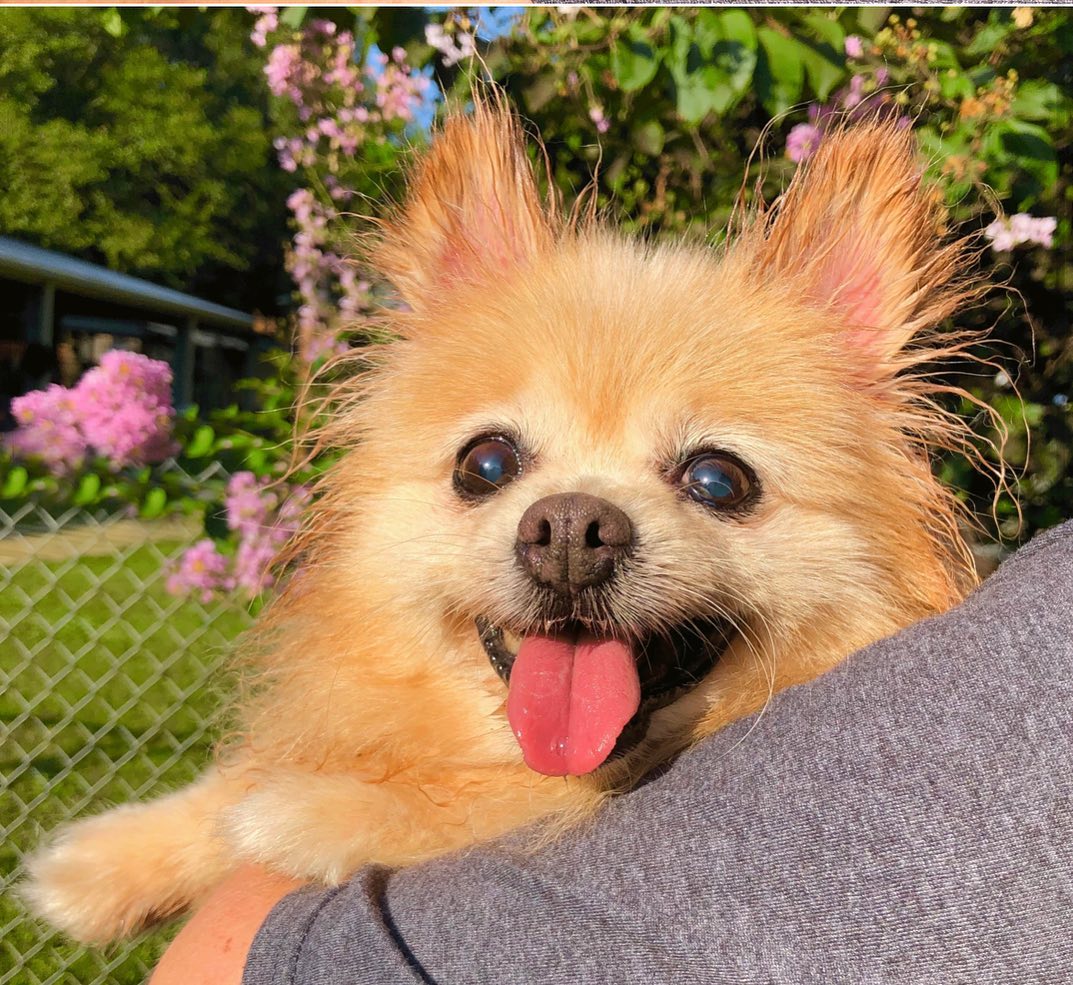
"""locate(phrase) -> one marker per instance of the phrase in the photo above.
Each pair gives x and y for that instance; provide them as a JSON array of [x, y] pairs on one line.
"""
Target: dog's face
[[603, 471]]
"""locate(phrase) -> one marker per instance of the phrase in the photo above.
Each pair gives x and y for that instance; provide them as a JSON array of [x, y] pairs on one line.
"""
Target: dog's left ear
[[859, 234], [473, 212]]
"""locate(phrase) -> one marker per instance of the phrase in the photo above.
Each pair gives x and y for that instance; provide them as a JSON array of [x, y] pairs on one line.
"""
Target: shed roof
[[33, 265]]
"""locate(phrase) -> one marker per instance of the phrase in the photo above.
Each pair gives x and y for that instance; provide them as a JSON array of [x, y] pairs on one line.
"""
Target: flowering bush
[[336, 93], [260, 517], [48, 429], [124, 409], [120, 409]]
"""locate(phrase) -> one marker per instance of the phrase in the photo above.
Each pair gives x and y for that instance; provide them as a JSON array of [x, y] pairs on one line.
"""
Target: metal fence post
[[183, 365]]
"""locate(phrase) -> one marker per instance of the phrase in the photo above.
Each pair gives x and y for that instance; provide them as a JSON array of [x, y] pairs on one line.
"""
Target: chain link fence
[[108, 691]]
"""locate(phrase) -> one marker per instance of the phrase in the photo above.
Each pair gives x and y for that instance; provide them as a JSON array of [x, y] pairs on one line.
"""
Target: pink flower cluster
[[262, 518], [121, 408], [1005, 234], [850, 103], [202, 570], [267, 22], [48, 429], [341, 105], [454, 46], [398, 90], [125, 410], [328, 284]]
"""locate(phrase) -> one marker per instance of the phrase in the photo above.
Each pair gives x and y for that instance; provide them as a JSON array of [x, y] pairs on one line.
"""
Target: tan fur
[[373, 728]]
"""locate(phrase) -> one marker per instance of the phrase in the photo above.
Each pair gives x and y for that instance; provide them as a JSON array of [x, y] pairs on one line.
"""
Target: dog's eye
[[485, 465], [718, 480]]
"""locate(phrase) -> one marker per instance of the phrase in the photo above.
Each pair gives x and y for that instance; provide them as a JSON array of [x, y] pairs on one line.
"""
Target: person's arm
[[212, 948], [905, 818]]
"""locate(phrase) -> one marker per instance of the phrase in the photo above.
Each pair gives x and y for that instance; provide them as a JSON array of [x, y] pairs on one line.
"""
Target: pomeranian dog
[[598, 500]]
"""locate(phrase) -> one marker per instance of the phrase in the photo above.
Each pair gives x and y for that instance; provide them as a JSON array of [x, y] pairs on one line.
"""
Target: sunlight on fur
[[762, 417]]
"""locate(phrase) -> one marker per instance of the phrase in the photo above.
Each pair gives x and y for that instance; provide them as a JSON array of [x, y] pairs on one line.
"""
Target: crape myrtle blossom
[[803, 141], [857, 100], [262, 517], [340, 105], [267, 22], [202, 571], [124, 408], [48, 429], [120, 409], [453, 48], [1021, 228]]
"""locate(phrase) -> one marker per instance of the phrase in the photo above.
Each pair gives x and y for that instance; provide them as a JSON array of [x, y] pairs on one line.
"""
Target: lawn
[[108, 688]]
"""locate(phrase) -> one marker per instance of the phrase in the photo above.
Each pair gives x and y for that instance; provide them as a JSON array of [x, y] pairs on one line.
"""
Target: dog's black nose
[[572, 541]]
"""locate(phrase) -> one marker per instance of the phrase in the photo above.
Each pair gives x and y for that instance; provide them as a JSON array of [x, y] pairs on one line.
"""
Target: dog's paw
[[116, 874], [96, 883]]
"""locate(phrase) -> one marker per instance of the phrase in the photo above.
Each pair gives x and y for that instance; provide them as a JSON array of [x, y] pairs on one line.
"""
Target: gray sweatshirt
[[907, 818]]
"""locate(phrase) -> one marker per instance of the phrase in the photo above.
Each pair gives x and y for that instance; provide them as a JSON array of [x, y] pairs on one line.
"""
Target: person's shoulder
[[1035, 581]]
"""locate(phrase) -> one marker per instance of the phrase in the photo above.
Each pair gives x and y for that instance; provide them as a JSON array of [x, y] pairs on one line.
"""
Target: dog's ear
[[859, 234], [472, 212]]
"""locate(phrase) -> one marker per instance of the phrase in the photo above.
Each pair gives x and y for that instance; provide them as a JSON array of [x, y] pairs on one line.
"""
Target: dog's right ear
[[472, 213]]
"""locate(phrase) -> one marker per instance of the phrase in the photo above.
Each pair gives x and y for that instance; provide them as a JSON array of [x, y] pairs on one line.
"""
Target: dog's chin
[[669, 665]]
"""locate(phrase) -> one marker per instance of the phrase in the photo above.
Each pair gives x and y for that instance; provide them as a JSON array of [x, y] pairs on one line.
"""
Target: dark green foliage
[[140, 140]]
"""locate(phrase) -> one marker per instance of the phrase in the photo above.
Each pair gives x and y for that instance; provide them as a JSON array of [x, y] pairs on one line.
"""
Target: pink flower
[[201, 569], [1005, 234], [803, 141], [283, 62], [124, 408], [452, 47], [266, 23], [48, 429], [596, 114], [854, 46]]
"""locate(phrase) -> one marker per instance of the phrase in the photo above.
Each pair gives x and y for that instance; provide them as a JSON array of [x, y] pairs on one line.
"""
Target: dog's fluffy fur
[[374, 729]]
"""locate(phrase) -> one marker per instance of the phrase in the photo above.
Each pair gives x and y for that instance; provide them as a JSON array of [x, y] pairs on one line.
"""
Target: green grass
[[107, 693]]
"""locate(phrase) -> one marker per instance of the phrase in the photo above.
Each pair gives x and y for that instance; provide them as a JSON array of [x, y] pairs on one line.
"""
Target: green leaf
[[736, 64], [827, 30], [822, 52], [707, 29], [780, 73], [257, 462], [88, 489], [1038, 100], [113, 22], [14, 483], [954, 86], [634, 62], [823, 74], [711, 70], [202, 443], [944, 56], [154, 503], [737, 25], [698, 95], [989, 37], [1031, 148], [293, 16], [871, 19]]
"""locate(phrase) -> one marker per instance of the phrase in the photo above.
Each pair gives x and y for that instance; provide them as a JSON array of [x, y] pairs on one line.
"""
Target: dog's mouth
[[578, 699]]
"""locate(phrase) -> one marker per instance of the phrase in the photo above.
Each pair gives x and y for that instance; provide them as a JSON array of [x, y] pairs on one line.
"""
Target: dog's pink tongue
[[569, 700]]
